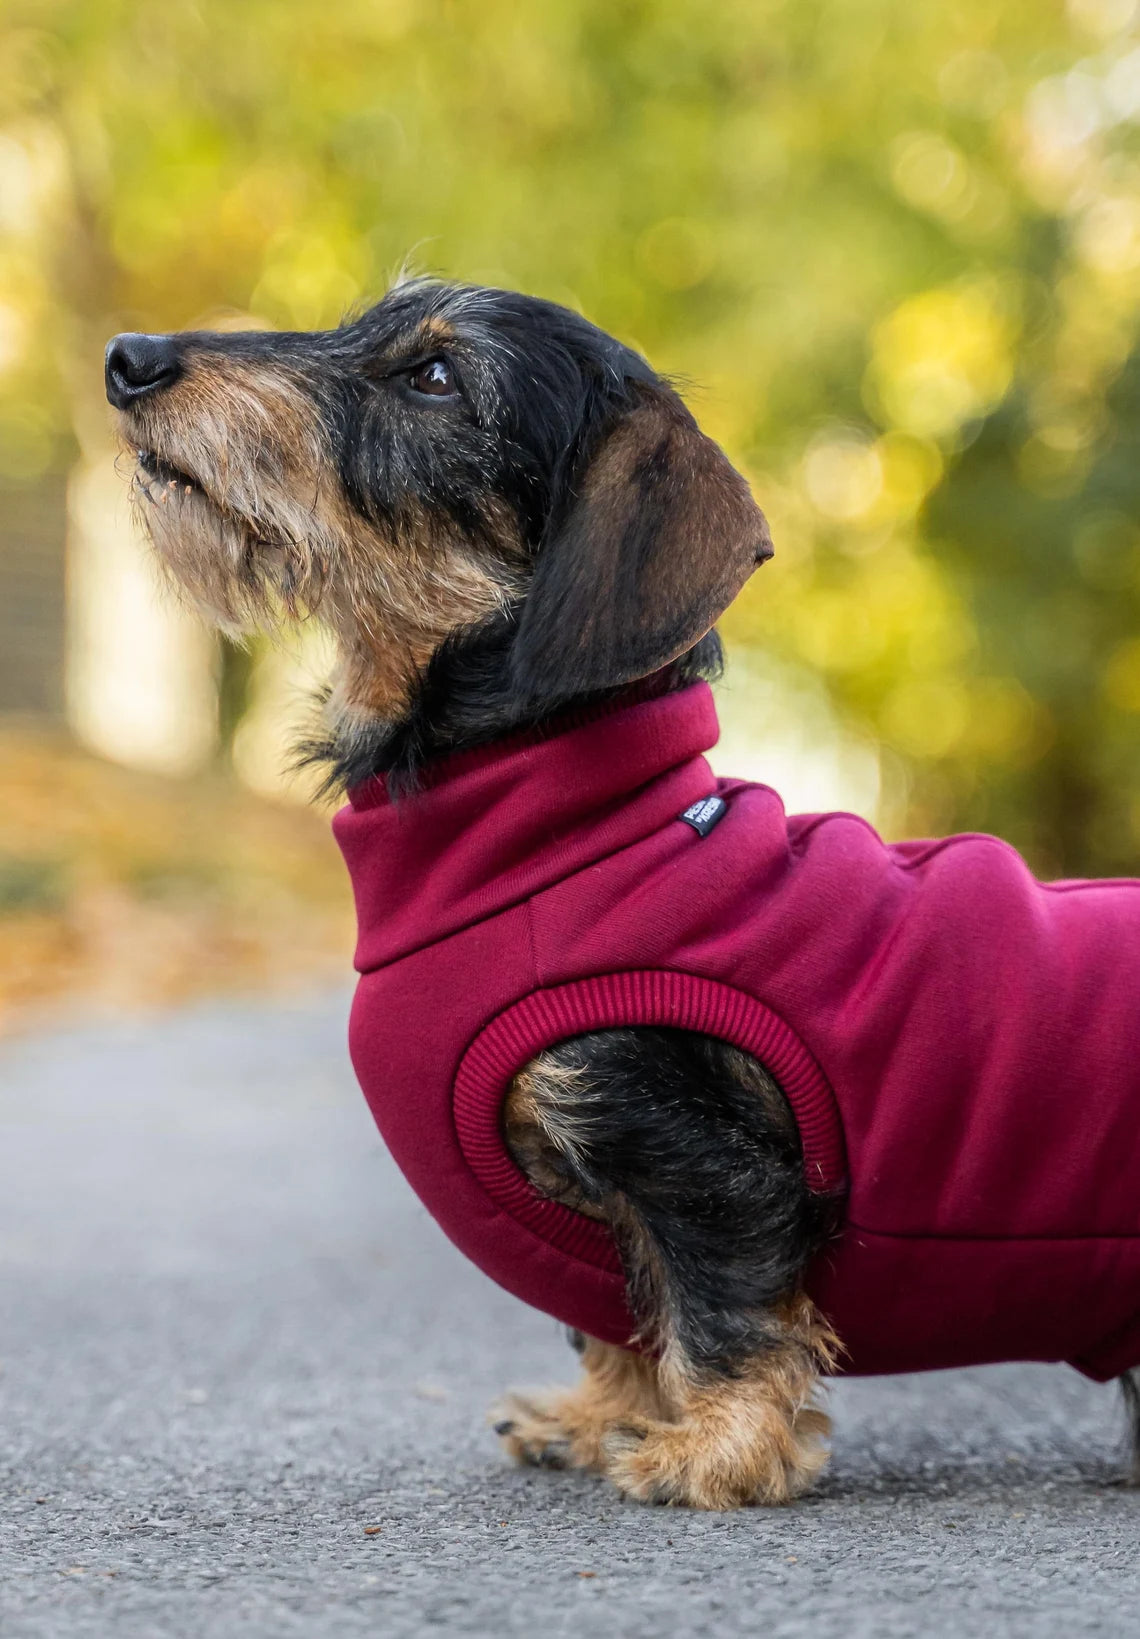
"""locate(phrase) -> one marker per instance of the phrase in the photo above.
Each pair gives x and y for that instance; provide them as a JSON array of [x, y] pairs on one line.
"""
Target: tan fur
[[436, 332], [534, 1134], [269, 532], [567, 1428], [664, 1433]]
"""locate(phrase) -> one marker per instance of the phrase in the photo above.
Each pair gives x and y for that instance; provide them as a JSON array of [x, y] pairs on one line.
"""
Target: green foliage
[[1045, 542], [30, 885], [893, 244]]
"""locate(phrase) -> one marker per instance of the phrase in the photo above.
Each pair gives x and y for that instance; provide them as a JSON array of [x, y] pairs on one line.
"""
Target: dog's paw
[[690, 1464], [532, 1432], [666, 1463]]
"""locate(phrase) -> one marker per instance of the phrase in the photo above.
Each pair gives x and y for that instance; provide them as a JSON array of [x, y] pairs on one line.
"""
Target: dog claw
[[531, 1435], [555, 1455]]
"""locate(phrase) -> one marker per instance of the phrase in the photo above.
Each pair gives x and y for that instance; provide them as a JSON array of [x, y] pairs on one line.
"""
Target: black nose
[[136, 365]]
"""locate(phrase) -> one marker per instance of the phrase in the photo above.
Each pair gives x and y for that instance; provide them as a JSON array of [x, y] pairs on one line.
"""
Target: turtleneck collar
[[494, 825]]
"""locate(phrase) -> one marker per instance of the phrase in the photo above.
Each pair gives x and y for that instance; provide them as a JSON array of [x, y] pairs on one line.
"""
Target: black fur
[[540, 383], [539, 389], [688, 1144]]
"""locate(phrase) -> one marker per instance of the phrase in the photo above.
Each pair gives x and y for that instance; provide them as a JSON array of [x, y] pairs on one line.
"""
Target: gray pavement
[[243, 1381]]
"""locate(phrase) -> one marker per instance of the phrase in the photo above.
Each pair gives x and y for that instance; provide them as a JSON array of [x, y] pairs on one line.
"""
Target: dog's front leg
[[753, 1436], [686, 1146], [666, 1431]]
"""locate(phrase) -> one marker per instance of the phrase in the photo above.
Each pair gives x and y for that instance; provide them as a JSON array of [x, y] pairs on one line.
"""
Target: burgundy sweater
[[960, 1043]]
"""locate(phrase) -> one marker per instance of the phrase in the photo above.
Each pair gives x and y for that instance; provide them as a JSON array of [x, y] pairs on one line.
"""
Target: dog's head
[[454, 454]]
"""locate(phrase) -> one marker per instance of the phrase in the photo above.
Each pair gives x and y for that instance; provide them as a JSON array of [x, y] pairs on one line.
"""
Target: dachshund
[[404, 478]]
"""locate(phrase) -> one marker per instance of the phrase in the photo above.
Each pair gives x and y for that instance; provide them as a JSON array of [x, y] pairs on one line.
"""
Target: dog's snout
[[137, 364]]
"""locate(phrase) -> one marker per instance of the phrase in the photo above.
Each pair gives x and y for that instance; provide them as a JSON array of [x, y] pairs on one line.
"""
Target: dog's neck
[[466, 697]]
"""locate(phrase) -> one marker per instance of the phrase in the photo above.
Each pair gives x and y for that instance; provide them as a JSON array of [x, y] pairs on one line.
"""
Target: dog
[[522, 542]]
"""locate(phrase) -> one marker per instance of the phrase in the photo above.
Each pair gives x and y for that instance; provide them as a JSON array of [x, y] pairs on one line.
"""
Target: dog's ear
[[659, 535]]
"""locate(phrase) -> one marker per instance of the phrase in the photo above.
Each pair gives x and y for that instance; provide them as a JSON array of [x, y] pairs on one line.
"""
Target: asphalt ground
[[244, 1379]]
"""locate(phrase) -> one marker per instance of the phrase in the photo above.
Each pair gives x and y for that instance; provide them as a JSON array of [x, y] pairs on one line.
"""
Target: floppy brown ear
[[660, 535]]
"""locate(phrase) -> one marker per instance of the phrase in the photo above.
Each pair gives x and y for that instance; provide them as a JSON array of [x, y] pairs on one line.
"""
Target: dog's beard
[[231, 484], [239, 571], [390, 593]]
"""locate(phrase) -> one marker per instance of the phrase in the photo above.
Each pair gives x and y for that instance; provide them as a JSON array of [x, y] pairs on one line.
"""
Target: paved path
[[244, 1376]]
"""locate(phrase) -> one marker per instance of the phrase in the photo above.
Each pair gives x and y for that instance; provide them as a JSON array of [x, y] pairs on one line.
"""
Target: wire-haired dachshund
[[404, 477]]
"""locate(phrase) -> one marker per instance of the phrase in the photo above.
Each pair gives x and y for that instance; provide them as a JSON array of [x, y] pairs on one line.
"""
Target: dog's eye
[[435, 377]]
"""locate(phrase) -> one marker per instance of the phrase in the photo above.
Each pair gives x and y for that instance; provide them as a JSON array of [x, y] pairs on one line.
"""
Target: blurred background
[[892, 248]]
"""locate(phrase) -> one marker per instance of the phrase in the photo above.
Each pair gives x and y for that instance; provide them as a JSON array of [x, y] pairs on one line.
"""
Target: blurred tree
[[1040, 527], [894, 244]]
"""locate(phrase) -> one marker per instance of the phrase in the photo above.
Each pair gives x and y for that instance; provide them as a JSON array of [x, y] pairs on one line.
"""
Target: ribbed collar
[[498, 824]]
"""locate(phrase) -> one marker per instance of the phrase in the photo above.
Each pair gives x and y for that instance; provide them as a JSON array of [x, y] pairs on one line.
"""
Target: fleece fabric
[[959, 1042]]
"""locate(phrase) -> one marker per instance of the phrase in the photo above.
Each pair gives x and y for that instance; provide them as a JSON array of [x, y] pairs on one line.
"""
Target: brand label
[[703, 815]]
